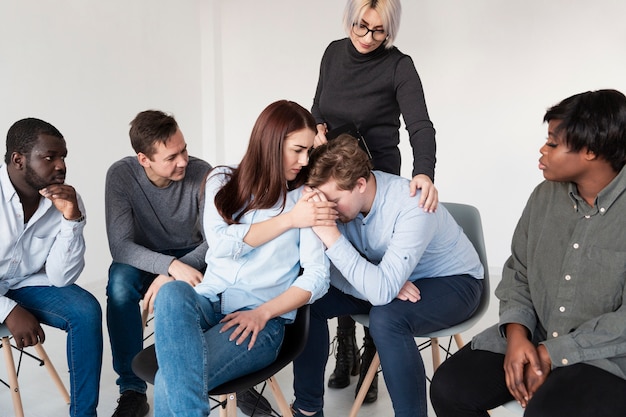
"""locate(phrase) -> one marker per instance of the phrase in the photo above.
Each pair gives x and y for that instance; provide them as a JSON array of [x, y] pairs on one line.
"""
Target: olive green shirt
[[565, 280]]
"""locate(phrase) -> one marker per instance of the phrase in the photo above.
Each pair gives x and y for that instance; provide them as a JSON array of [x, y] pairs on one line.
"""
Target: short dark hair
[[24, 133], [595, 120], [150, 127], [340, 159]]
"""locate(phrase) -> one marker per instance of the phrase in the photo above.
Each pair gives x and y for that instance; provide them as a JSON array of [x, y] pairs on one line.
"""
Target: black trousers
[[472, 381]]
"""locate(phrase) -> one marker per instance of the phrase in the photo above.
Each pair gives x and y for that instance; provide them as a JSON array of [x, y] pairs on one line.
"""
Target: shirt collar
[[8, 191], [606, 197]]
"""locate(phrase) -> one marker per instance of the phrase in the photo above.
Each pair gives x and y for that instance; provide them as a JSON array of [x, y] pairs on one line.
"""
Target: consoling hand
[[430, 196], [320, 137], [310, 211]]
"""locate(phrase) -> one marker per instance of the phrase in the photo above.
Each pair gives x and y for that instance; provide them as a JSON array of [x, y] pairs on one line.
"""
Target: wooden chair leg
[[434, 347], [459, 340], [53, 372], [230, 409], [284, 408], [367, 381], [12, 376], [144, 317]]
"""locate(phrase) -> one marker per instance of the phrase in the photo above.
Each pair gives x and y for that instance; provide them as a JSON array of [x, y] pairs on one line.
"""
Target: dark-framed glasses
[[360, 30]]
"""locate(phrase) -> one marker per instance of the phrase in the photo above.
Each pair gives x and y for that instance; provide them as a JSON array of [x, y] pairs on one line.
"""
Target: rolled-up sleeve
[[66, 258]]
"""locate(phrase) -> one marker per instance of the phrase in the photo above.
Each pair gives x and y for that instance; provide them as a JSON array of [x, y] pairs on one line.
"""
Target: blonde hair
[[388, 10]]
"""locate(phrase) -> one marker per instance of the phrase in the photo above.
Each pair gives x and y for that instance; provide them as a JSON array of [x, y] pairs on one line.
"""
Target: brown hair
[[259, 180], [340, 159], [150, 127]]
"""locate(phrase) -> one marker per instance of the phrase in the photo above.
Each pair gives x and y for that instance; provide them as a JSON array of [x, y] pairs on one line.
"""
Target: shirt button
[[587, 216], [568, 277], [564, 361], [562, 309], [602, 210], [576, 245], [555, 334]]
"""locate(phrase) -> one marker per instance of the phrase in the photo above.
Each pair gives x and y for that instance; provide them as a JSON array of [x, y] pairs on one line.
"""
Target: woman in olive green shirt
[[559, 348]]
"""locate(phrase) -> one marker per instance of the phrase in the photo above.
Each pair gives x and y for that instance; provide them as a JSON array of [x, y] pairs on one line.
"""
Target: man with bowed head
[[42, 254], [412, 271]]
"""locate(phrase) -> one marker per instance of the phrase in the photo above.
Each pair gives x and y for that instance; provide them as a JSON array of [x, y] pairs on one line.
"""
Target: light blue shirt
[[48, 250], [397, 241], [247, 276]]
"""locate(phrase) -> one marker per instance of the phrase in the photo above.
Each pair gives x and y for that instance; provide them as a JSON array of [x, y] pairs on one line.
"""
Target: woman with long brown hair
[[263, 262]]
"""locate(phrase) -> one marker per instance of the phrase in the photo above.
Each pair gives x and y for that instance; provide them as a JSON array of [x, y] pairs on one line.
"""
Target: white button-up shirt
[[48, 250]]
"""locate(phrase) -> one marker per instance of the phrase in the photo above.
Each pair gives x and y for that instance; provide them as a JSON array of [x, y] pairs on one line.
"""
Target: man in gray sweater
[[153, 216]]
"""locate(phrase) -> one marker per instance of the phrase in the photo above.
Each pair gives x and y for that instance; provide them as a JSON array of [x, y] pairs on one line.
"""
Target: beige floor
[[41, 399]]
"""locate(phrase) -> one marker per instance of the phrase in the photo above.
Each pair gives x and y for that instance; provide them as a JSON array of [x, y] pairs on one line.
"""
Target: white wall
[[88, 67], [489, 68]]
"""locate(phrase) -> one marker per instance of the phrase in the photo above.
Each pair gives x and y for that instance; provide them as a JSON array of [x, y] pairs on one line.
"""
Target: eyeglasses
[[361, 31]]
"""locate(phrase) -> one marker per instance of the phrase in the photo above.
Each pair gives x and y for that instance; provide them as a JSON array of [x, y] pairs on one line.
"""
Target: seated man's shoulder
[[396, 189], [127, 164]]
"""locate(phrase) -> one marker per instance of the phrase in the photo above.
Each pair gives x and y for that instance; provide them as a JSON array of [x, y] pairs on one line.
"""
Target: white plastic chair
[[468, 218]]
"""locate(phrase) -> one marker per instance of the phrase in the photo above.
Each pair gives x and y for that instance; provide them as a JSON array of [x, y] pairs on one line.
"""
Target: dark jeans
[[125, 288], [445, 302], [472, 382]]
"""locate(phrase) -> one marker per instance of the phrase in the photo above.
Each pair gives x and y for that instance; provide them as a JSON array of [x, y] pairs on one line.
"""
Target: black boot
[[348, 359], [369, 350]]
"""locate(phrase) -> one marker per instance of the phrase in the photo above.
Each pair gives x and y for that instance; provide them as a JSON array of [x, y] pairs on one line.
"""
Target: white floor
[[41, 399]]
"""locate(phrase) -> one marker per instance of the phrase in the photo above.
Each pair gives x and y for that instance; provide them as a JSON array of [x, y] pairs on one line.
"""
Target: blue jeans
[[445, 302], [194, 357], [78, 313], [126, 287]]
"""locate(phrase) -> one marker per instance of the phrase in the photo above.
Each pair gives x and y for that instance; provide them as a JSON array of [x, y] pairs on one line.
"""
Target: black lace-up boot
[[347, 356], [369, 350]]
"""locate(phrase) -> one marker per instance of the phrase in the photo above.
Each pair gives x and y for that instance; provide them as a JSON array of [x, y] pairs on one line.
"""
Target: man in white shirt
[[413, 272], [42, 254]]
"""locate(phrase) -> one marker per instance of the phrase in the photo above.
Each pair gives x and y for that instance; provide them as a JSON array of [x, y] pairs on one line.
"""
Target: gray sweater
[[146, 223]]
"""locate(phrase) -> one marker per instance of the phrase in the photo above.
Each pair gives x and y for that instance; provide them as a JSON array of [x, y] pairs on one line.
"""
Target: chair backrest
[[468, 217], [145, 365]]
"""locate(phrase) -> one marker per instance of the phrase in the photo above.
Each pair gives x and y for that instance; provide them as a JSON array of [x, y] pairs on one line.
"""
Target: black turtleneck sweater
[[372, 90]]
